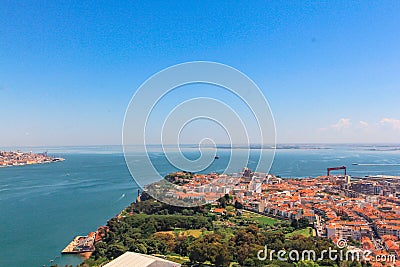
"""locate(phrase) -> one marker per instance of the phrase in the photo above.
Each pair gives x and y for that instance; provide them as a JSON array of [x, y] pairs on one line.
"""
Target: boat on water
[[216, 157]]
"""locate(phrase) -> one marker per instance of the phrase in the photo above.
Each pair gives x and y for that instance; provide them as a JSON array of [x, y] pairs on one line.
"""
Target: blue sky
[[330, 70]]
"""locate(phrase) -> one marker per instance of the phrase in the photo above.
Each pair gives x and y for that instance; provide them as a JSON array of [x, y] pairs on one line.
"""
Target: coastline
[[314, 204], [90, 173], [19, 158], [31, 164]]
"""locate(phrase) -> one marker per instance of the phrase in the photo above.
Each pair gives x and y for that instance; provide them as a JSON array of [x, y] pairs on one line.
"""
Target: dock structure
[[80, 244]]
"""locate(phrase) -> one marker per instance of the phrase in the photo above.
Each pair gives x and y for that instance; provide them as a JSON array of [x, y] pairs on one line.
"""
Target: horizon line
[[218, 144]]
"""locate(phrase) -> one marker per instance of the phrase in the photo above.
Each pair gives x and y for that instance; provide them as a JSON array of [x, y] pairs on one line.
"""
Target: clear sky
[[330, 70]]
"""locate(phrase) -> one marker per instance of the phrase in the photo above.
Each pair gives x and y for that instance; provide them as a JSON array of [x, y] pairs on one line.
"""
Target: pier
[[80, 244]]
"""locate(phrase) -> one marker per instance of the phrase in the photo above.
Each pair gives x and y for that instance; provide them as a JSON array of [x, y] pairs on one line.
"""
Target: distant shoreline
[[39, 163], [18, 158]]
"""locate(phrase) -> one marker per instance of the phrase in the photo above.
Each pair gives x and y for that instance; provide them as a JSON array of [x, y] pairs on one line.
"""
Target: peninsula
[[18, 158], [255, 210]]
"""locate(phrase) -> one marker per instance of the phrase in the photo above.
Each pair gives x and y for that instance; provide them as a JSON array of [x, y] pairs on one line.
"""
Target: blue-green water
[[44, 206]]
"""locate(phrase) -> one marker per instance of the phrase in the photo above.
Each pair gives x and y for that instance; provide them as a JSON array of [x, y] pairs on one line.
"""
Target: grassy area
[[307, 232], [193, 232], [259, 218], [178, 259]]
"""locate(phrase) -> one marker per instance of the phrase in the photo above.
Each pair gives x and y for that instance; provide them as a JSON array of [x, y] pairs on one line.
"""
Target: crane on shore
[[336, 168]]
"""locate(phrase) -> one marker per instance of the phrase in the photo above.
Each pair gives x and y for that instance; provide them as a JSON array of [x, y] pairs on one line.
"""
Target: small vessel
[[216, 157]]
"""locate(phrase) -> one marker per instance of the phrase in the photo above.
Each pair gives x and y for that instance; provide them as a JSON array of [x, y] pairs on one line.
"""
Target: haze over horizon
[[330, 71]]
